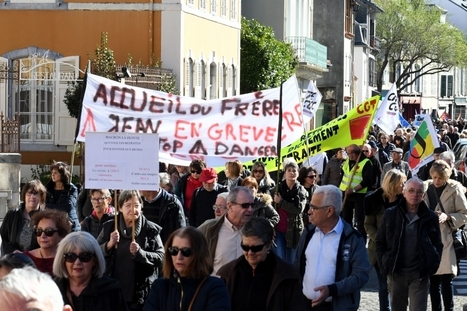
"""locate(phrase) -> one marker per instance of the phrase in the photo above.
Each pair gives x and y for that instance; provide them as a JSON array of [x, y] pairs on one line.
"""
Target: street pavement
[[370, 301]]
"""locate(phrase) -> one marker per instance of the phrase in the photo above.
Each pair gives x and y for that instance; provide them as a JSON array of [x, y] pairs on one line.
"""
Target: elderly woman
[[233, 170], [375, 204], [17, 229], [134, 263], [445, 197], [263, 202], [259, 280], [50, 227], [261, 174], [61, 193], [79, 267], [14, 261], [102, 212], [187, 283], [291, 199]]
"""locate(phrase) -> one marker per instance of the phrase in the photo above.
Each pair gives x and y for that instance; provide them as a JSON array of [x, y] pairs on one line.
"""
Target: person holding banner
[[134, 251], [357, 177], [291, 199]]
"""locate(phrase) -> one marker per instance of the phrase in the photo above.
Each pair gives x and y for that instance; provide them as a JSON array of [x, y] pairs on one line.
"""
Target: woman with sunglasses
[[50, 227], [17, 231], [375, 204], [62, 195], [259, 280], [187, 283], [445, 197], [264, 180], [188, 183], [133, 263], [79, 267], [263, 207]]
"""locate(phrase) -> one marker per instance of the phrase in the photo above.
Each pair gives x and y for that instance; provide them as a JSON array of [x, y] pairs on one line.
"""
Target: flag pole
[[133, 218], [116, 214], [279, 141]]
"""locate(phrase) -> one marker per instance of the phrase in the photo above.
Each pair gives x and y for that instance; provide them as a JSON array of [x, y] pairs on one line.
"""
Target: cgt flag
[[422, 146], [350, 128], [386, 117]]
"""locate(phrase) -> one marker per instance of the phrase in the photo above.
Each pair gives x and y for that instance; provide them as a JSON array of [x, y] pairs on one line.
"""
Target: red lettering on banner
[[195, 131], [244, 133], [88, 123], [290, 121], [179, 128], [366, 106], [101, 93], [229, 130], [217, 132], [269, 136]]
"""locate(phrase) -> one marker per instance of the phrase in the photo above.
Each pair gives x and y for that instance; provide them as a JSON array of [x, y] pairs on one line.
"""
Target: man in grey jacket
[[332, 257]]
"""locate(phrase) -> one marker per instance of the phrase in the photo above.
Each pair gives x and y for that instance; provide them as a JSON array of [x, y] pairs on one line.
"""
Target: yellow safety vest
[[357, 177]]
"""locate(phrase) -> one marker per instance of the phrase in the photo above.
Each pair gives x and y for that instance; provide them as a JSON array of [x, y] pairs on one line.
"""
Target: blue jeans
[[285, 253], [383, 293]]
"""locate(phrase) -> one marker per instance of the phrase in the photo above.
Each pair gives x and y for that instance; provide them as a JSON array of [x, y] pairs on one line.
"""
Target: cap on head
[[398, 150], [372, 144], [208, 175]]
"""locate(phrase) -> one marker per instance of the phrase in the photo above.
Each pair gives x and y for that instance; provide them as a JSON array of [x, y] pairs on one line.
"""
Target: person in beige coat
[[443, 193]]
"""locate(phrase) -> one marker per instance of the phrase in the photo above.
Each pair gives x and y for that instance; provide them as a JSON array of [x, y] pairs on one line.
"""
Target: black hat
[[439, 150]]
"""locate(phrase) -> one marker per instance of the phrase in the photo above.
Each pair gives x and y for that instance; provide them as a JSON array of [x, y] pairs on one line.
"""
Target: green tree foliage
[[103, 64], [412, 34], [265, 61]]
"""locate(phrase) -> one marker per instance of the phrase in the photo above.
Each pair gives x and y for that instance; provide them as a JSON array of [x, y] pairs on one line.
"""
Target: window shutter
[[450, 82], [3, 85], [443, 86], [66, 70]]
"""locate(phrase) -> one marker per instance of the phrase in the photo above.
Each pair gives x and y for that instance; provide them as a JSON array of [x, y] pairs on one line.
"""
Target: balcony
[[311, 55]]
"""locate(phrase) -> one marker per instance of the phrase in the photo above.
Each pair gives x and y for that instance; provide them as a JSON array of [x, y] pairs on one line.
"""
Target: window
[[189, 78], [373, 75], [223, 7], [233, 7], [224, 80], [203, 79], [190, 2], [348, 19], [213, 80], [446, 86], [202, 4], [418, 79], [213, 6], [36, 95]]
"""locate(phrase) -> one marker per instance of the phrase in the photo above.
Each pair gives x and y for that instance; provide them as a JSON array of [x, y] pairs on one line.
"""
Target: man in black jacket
[[163, 209], [409, 248]]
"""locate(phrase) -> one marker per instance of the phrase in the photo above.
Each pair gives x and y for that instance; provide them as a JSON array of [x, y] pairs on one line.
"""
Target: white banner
[[312, 100], [387, 115], [238, 126]]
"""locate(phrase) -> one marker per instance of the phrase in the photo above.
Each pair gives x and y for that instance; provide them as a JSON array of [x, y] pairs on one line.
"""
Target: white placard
[[126, 161]]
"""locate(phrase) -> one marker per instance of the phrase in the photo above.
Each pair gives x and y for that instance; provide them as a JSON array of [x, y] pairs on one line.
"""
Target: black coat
[[65, 203], [12, 226], [101, 294], [389, 237]]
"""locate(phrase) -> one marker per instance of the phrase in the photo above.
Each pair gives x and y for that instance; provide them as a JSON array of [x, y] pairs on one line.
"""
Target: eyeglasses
[[245, 205], [214, 207], [195, 172], [316, 208], [311, 176], [186, 251], [258, 171], [47, 231], [29, 194], [83, 257], [417, 192], [254, 249], [364, 151], [100, 200]]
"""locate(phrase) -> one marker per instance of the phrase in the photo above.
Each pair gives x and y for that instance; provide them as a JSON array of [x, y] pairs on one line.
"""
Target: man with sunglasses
[[223, 235], [332, 257]]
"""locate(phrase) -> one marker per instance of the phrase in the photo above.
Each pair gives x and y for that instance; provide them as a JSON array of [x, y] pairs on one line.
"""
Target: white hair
[[30, 284]]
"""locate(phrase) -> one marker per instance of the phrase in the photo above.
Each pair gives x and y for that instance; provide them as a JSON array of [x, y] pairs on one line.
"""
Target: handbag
[[459, 240]]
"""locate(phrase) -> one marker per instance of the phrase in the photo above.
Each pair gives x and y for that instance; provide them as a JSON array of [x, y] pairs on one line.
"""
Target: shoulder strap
[[433, 191], [196, 294]]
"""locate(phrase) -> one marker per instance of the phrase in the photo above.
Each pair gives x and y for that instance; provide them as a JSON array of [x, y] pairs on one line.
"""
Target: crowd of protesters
[[234, 240]]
